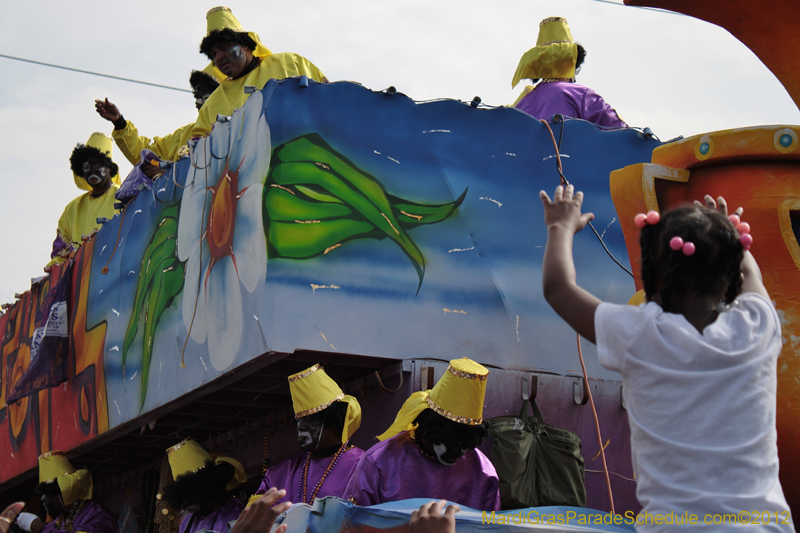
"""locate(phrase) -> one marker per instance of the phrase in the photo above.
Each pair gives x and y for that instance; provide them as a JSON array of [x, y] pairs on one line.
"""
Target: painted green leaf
[[160, 280], [317, 199]]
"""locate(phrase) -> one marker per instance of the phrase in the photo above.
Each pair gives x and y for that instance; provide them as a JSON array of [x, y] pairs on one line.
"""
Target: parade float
[[380, 237]]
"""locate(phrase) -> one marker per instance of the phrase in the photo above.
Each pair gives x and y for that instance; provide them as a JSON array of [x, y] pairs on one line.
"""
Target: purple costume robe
[[396, 469], [215, 521], [287, 475], [93, 518], [569, 99]]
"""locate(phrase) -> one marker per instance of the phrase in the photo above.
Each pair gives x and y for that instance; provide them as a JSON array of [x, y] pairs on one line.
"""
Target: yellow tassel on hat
[[554, 55], [105, 144], [313, 390], [458, 396]]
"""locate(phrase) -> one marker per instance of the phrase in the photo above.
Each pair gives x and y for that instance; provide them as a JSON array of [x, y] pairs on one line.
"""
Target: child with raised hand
[[698, 363]]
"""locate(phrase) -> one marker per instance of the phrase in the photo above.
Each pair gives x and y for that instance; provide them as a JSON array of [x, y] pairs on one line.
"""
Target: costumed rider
[[554, 62], [326, 419], [239, 59], [95, 172], [202, 488], [168, 147], [67, 497], [430, 451]]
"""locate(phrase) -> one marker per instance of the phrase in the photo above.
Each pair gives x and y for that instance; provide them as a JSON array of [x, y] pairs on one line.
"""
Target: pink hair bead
[[743, 228], [688, 248], [735, 220], [640, 220], [676, 243], [746, 240], [653, 217]]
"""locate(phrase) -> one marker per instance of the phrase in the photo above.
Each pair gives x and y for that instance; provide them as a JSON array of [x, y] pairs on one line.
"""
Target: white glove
[[24, 520]]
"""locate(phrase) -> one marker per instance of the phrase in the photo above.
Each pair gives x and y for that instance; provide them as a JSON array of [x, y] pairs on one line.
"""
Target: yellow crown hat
[[102, 142], [220, 18], [554, 55], [458, 395], [74, 484], [313, 390], [188, 457]]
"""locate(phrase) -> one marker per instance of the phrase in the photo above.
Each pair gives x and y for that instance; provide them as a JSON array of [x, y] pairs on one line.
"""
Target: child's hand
[[719, 205], [564, 210]]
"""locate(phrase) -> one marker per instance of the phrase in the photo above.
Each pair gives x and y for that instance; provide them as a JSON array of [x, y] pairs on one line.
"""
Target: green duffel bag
[[537, 464]]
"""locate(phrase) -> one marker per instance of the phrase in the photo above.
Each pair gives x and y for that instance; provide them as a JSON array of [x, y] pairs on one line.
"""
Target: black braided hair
[[205, 487], [714, 268], [435, 428], [225, 35], [82, 152]]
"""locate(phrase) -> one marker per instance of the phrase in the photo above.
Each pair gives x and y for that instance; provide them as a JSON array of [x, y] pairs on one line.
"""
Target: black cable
[[95, 73], [560, 118]]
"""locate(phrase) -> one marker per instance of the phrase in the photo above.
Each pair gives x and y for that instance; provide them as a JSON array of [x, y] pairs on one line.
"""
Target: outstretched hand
[[261, 515], [107, 110], [719, 205], [429, 518], [564, 210]]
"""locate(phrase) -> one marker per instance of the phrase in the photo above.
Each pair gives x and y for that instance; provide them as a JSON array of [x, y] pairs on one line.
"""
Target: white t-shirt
[[701, 410]]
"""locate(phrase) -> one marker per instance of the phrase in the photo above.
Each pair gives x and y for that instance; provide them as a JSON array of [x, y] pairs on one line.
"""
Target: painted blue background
[[484, 261]]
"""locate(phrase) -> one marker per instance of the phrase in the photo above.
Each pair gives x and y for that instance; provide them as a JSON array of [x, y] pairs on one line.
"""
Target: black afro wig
[[82, 153]]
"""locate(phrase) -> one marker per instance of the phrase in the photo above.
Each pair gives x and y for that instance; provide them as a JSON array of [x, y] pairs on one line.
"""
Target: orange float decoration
[[757, 168]]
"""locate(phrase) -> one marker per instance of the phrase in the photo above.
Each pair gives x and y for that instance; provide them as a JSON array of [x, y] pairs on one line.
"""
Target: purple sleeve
[[59, 246], [493, 496], [364, 486], [267, 483], [596, 110], [95, 518]]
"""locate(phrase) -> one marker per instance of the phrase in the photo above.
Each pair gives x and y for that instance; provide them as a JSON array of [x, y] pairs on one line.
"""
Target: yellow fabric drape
[[554, 55], [552, 61], [230, 94], [525, 92], [313, 390], [188, 456], [75, 486], [458, 395], [167, 147]]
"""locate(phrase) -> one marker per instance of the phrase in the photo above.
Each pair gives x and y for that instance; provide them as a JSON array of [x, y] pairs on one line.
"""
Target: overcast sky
[[672, 73]]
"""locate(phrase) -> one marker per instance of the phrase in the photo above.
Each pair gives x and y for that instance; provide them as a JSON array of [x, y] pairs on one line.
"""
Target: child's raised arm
[[751, 274], [563, 218]]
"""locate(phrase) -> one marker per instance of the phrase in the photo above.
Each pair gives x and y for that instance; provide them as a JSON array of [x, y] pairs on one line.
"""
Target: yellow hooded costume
[[168, 147], [312, 392], [74, 484], [553, 57], [458, 396], [81, 214], [230, 94], [188, 457]]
